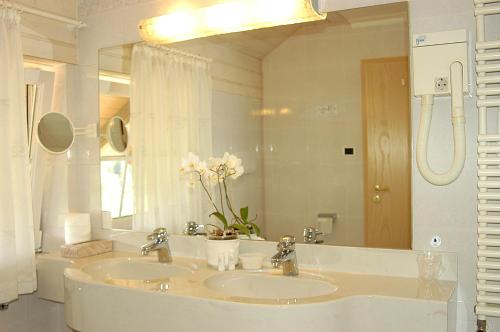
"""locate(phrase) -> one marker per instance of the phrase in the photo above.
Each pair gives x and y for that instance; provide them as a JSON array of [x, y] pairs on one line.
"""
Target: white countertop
[[349, 284]]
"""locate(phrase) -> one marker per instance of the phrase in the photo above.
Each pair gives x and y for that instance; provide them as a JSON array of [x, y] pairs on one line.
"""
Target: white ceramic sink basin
[[105, 294], [268, 286], [133, 269]]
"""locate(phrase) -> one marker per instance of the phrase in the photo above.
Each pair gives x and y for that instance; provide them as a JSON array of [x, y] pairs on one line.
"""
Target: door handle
[[378, 188]]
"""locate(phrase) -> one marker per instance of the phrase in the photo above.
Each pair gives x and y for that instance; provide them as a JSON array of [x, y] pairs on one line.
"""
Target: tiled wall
[[448, 211], [237, 97], [46, 38], [55, 200], [313, 103], [237, 130]]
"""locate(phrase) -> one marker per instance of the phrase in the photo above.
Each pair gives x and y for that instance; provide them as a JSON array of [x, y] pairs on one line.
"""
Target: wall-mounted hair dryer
[[440, 68]]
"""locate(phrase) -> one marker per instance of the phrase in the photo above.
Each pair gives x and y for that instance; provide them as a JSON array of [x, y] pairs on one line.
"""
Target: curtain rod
[[41, 13], [178, 52]]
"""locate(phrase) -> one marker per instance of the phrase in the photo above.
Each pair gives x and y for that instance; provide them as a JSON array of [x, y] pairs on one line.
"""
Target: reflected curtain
[[17, 259], [170, 116]]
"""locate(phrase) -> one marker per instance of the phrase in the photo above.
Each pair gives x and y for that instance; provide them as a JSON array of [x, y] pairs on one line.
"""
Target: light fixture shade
[[232, 16]]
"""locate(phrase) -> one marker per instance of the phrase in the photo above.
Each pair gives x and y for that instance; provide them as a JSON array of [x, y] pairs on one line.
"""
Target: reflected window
[[116, 187], [31, 104]]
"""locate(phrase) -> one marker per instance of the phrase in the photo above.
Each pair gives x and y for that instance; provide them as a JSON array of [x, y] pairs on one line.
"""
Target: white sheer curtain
[[17, 260], [170, 107]]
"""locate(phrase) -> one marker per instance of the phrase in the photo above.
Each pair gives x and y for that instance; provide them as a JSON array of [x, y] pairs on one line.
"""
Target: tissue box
[[76, 228], [86, 249]]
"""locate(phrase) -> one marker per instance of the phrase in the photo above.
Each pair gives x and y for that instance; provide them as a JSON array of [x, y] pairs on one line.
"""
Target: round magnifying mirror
[[55, 132], [117, 134]]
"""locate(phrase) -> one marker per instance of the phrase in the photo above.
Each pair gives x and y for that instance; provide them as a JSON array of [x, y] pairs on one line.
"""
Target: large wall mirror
[[318, 112]]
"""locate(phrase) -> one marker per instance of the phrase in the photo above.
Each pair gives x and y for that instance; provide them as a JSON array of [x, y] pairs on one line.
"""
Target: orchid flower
[[215, 172]]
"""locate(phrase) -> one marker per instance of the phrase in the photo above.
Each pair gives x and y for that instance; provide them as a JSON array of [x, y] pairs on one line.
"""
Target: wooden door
[[387, 158]]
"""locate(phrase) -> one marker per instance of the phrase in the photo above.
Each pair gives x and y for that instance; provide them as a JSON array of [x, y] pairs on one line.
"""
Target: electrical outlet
[[441, 84]]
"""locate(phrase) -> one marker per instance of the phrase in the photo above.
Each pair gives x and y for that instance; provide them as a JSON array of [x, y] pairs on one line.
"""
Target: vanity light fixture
[[232, 16]]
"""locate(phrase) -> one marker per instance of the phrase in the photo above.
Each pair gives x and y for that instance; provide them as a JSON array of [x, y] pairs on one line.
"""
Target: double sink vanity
[[336, 289]]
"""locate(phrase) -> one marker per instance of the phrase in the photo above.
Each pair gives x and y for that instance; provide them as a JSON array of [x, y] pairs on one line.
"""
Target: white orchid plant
[[215, 173]]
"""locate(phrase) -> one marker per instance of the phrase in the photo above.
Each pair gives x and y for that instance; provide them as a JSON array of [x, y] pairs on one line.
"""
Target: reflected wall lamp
[[231, 16]]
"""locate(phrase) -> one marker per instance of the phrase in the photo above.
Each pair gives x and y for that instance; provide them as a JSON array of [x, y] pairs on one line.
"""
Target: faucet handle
[[193, 228], [158, 233], [311, 233], [287, 242]]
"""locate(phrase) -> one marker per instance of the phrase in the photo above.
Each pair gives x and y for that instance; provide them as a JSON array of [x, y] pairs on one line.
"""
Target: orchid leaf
[[242, 229], [256, 228], [222, 218], [244, 213]]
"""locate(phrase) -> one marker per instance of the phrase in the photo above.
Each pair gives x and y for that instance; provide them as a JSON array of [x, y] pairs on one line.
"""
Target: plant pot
[[253, 237], [222, 253]]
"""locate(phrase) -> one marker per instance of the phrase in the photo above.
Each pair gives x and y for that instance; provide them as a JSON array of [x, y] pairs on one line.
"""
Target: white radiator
[[488, 103]]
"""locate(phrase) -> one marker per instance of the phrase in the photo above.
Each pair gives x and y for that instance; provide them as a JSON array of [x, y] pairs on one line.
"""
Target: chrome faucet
[[311, 235], [286, 256], [192, 228], [160, 244]]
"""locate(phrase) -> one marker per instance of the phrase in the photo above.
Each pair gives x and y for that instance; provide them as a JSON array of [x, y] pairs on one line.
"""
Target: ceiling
[[258, 43]]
